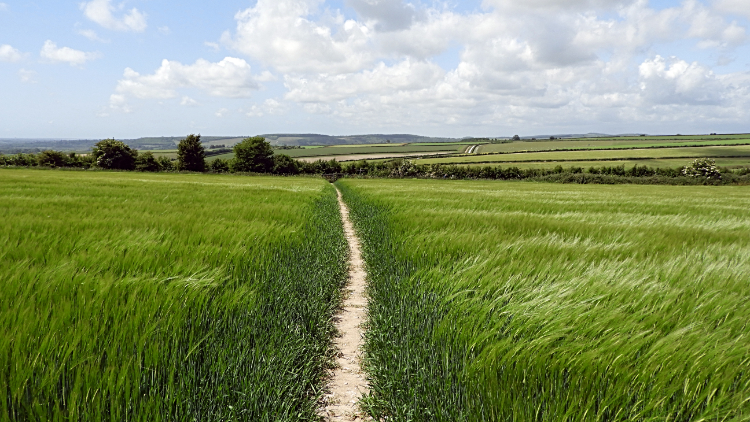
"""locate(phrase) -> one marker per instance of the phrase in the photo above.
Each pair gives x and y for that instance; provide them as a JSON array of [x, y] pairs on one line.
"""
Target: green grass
[[131, 296], [535, 302]]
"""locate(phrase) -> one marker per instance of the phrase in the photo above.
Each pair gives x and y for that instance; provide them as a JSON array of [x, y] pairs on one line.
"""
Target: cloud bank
[[552, 63]]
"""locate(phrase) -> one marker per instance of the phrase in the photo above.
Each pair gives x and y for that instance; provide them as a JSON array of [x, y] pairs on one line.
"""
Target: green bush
[[147, 162], [51, 158], [253, 155], [115, 155], [284, 164], [165, 163], [219, 166], [702, 167]]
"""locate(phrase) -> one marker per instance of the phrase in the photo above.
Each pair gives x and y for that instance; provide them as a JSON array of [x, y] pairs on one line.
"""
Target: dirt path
[[348, 382]]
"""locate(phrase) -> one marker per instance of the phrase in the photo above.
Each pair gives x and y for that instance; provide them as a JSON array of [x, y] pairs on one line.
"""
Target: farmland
[[141, 296], [358, 152], [521, 301], [592, 144], [740, 153], [132, 296]]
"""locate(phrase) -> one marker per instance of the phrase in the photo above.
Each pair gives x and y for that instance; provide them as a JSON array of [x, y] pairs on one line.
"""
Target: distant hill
[[316, 139], [16, 145]]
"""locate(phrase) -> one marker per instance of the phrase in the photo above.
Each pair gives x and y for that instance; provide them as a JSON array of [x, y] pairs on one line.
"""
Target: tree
[[51, 158], [191, 155], [516, 138], [111, 154], [253, 155]]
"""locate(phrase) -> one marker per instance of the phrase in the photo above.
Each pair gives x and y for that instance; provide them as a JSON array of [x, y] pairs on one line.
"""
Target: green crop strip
[[518, 302], [165, 297]]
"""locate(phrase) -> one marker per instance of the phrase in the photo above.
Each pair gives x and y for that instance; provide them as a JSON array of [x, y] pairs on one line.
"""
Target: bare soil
[[348, 383]]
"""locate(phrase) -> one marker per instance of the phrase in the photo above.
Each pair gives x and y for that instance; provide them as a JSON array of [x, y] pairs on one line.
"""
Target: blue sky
[[103, 68]]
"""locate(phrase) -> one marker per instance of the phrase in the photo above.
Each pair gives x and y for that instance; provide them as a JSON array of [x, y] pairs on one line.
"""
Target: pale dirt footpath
[[348, 382]]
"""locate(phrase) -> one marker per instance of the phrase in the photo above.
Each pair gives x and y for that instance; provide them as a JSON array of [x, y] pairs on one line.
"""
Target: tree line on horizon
[[252, 155]]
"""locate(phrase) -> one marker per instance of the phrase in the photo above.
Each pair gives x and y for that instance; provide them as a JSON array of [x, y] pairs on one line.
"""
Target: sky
[[106, 68]]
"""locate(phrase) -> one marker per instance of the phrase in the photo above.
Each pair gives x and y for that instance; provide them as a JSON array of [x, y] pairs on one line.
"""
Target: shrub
[[147, 162], [116, 155], [165, 163], [219, 166], [702, 167], [51, 158], [284, 164]]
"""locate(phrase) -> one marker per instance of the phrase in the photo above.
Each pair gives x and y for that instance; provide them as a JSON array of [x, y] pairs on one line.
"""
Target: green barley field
[[195, 297], [523, 301], [154, 297]]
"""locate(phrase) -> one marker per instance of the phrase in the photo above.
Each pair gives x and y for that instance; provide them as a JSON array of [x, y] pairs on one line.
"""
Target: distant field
[[464, 143], [372, 157], [683, 152], [668, 162], [669, 137], [598, 144], [370, 149], [353, 152], [526, 301], [163, 297]]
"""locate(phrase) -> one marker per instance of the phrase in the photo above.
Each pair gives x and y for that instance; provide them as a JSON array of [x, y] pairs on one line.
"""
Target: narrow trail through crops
[[348, 382]]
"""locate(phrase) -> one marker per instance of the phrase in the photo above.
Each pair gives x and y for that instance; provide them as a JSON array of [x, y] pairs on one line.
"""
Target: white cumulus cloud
[[231, 78], [282, 34], [9, 54], [103, 13], [404, 76], [52, 53], [675, 81]]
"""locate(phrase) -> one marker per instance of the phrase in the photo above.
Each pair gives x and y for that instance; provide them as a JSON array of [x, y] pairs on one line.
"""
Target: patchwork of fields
[[686, 153], [131, 296], [651, 151], [520, 302], [364, 152], [181, 297]]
